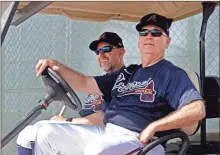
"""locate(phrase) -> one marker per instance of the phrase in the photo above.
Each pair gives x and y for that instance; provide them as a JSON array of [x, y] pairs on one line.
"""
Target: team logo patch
[[153, 17], [94, 102], [145, 89], [103, 36]]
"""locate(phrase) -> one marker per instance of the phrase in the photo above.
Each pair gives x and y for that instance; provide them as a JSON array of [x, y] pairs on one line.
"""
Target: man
[[110, 59], [153, 97]]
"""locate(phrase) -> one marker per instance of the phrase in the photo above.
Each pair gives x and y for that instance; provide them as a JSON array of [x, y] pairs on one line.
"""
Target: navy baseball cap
[[157, 20], [108, 37]]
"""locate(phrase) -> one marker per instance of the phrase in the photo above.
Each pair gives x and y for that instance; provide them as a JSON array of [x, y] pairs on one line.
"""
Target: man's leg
[[118, 141], [65, 139], [23, 150], [158, 150], [26, 137]]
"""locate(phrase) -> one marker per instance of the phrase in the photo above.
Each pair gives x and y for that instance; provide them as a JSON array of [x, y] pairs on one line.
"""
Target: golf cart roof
[[113, 10]]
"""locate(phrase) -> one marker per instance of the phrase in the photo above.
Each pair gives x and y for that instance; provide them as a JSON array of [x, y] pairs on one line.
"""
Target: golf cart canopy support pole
[[28, 11], [208, 9], [8, 17]]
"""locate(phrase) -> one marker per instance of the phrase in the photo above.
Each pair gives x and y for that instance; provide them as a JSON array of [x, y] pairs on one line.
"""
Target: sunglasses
[[154, 32], [105, 49]]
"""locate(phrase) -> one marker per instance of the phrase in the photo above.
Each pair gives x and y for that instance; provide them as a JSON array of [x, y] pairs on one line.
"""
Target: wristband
[[69, 119]]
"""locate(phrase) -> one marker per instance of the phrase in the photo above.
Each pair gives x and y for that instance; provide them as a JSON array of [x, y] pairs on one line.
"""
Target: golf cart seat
[[212, 96], [211, 90], [166, 136]]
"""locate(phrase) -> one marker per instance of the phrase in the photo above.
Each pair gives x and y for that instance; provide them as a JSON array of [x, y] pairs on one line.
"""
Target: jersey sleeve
[[106, 83], [86, 112], [180, 90], [92, 104]]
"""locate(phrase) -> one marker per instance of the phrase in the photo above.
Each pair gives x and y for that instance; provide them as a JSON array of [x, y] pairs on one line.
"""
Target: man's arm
[[93, 119], [186, 100], [75, 79], [189, 130], [185, 116]]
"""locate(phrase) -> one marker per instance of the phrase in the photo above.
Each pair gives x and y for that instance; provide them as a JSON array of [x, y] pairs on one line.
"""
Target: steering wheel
[[59, 90]]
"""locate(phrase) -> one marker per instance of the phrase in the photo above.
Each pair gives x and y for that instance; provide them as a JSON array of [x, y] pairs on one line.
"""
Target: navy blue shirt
[[146, 94], [94, 103]]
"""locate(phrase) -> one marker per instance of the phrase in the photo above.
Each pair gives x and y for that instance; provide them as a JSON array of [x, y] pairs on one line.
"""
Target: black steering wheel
[[59, 90]]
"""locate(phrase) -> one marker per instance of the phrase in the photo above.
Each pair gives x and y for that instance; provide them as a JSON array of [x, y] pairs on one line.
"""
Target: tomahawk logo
[[148, 93]]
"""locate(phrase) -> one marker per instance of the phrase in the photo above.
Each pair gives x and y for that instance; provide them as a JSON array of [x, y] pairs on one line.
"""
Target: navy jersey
[[94, 103], [146, 94]]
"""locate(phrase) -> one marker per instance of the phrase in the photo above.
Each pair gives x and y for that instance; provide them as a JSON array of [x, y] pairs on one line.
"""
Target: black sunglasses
[[154, 32], [105, 49]]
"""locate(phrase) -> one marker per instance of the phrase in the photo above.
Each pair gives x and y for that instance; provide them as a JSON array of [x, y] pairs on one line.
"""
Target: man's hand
[[147, 134], [59, 118], [43, 63]]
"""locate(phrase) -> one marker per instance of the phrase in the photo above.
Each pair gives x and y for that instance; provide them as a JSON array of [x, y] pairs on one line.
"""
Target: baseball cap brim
[[93, 46]]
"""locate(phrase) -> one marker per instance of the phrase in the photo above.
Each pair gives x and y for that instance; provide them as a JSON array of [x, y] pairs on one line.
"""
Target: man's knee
[[26, 136], [56, 138], [44, 133]]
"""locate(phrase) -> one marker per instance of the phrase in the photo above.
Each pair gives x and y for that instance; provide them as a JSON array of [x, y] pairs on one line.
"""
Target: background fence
[[49, 36]]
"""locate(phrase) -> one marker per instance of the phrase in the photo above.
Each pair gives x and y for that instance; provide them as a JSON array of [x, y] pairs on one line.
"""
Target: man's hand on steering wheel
[[44, 63], [56, 87]]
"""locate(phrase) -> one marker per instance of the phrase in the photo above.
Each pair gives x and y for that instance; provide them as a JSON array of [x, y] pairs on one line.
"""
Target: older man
[[110, 58], [144, 99]]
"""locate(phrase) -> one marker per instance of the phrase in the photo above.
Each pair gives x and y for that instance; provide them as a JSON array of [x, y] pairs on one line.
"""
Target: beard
[[106, 67]]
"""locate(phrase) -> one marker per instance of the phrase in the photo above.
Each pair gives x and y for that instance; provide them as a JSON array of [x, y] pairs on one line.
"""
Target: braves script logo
[[153, 17], [94, 102], [145, 89]]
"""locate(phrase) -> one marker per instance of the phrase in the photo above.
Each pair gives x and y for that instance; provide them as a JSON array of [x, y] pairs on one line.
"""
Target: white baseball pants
[[66, 138]]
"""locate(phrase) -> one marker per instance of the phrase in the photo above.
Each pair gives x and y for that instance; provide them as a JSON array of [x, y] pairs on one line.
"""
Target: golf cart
[[78, 11]]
